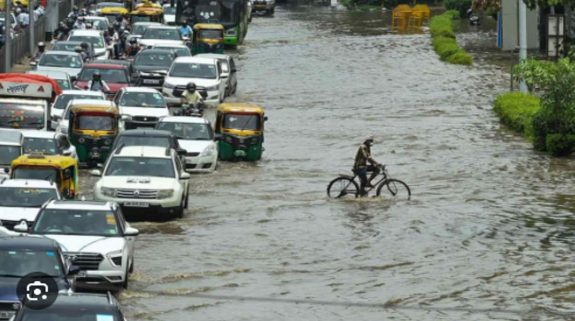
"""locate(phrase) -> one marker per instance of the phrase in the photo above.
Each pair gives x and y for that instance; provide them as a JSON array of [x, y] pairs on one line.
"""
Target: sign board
[[18, 89]]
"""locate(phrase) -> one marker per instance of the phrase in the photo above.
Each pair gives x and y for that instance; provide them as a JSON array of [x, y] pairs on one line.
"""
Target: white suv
[[21, 199], [145, 178], [95, 238], [140, 107]]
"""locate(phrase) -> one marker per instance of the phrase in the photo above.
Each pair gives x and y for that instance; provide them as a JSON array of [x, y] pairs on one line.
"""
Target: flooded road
[[486, 236]]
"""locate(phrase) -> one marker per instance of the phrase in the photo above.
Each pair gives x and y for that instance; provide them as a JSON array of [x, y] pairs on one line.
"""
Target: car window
[[194, 70], [40, 145], [128, 140], [63, 61], [154, 59], [143, 99], [76, 222], [20, 262], [140, 166], [63, 100], [108, 75], [26, 196], [162, 33], [188, 131]]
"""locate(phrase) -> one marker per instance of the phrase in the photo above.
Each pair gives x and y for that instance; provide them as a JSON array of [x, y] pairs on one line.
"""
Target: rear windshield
[[144, 141], [92, 122], [118, 76]]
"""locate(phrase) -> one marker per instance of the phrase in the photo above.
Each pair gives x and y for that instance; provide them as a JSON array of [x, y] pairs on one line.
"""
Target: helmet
[[96, 76], [191, 87], [41, 44]]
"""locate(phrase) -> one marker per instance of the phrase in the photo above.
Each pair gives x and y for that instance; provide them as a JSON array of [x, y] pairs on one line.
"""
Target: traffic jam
[[117, 96]]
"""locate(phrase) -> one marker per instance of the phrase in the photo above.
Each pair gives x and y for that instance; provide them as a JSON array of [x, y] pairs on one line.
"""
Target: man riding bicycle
[[361, 167]]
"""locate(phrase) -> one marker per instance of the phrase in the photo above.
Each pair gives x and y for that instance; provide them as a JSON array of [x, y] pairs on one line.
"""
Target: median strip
[[444, 41]]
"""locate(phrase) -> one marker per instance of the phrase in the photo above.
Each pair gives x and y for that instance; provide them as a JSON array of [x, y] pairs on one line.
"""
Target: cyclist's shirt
[[362, 157]]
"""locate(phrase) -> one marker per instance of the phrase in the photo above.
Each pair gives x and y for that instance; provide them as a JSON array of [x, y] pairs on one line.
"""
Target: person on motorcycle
[[82, 53], [97, 84], [86, 49], [41, 50], [133, 49], [191, 96], [186, 30], [361, 167], [80, 23], [61, 31], [73, 13]]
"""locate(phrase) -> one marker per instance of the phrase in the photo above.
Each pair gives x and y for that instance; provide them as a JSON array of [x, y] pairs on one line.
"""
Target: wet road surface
[[486, 236]]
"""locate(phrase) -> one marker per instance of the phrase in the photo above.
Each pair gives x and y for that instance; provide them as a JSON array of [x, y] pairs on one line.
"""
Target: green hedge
[[444, 42], [517, 111]]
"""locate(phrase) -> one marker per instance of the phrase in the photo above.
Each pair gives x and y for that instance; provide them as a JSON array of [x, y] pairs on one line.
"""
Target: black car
[[148, 137], [22, 255], [76, 306], [151, 67]]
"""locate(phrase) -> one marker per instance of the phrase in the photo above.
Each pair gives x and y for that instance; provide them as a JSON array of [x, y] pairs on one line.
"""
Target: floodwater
[[487, 235]]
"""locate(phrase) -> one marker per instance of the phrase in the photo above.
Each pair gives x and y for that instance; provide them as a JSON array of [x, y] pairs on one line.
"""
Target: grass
[[517, 110], [444, 42]]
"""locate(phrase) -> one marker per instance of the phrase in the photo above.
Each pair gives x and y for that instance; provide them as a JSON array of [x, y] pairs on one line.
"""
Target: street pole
[[522, 40], [31, 27], [7, 38]]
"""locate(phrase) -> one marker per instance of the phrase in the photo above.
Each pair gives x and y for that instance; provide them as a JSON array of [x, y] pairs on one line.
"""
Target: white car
[[144, 179], [140, 107], [62, 127], [195, 135], [166, 35], [229, 71], [21, 199], [94, 37], [10, 149], [65, 97], [204, 72], [98, 23], [169, 14], [47, 143], [94, 236], [64, 61]]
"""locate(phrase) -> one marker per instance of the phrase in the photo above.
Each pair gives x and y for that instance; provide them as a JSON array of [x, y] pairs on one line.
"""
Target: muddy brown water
[[488, 233]]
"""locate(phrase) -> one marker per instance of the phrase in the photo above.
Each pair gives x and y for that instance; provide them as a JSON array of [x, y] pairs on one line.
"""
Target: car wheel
[[132, 267], [126, 277], [180, 210], [186, 201]]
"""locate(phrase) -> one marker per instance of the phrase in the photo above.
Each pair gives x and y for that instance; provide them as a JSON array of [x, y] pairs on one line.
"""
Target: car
[[268, 6], [98, 23], [64, 98], [64, 61], [204, 72], [149, 137], [161, 35], [22, 255], [151, 67], [63, 125], [10, 149], [140, 107], [94, 37], [229, 71], [138, 28], [71, 46], [126, 63], [47, 143], [144, 179], [62, 78], [94, 236], [76, 306], [169, 14], [195, 135], [116, 76], [181, 50], [21, 199]]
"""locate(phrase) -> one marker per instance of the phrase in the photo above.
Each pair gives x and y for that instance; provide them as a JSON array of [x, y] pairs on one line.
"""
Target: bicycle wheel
[[342, 187], [394, 188]]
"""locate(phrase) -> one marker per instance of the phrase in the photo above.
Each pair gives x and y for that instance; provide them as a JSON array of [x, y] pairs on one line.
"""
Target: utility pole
[[8, 37], [31, 27], [522, 40]]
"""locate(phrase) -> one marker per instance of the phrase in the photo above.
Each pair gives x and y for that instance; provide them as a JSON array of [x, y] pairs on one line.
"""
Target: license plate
[[136, 204], [151, 81]]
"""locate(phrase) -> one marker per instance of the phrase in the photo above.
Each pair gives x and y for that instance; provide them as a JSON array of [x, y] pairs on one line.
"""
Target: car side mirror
[[67, 153], [181, 151], [185, 176], [130, 231], [74, 269], [126, 117], [96, 173], [21, 227]]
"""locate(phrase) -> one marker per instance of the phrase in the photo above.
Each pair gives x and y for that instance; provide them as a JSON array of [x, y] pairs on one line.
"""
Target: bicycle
[[346, 185]]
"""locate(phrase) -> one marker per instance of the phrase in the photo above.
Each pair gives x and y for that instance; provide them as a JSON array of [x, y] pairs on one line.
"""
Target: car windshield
[[140, 166], [242, 122], [188, 131], [8, 154], [193, 70], [65, 46], [55, 313], [46, 146], [180, 51], [147, 99], [21, 116], [43, 173], [210, 34], [64, 61], [76, 222], [153, 59], [26, 196], [162, 33], [20, 262], [128, 140], [170, 10], [63, 100], [117, 76], [139, 29], [98, 24], [64, 84], [97, 42], [93, 122]]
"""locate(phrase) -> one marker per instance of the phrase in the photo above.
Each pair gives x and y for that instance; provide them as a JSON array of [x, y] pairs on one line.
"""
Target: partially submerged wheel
[[394, 188], [342, 187]]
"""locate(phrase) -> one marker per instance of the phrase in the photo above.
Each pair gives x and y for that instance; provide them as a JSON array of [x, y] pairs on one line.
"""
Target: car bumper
[[201, 164], [146, 206], [99, 280], [261, 7]]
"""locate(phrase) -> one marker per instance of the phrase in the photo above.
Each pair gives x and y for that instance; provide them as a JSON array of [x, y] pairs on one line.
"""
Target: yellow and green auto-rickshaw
[[63, 170], [208, 38], [239, 129], [147, 12], [92, 128]]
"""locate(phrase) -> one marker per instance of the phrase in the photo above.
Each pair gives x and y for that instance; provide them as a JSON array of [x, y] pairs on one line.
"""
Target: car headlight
[[169, 86], [115, 257], [106, 191], [209, 151], [165, 193], [212, 88]]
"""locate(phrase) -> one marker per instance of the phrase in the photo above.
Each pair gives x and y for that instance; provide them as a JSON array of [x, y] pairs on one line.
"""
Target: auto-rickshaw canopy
[[66, 170], [240, 127], [97, 111]]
